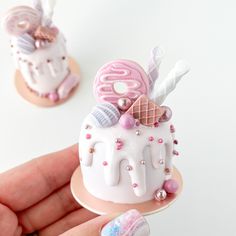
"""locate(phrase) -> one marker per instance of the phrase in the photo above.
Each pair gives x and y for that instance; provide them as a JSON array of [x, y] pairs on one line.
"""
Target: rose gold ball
[[124, 103], [160, 195]]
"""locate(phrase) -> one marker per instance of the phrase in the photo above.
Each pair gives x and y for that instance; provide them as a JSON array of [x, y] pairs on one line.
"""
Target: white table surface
[[202, 32]]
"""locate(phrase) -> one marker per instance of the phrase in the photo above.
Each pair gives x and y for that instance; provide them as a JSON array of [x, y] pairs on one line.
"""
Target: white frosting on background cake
[[45, 68], [148, 160], [39, 50]]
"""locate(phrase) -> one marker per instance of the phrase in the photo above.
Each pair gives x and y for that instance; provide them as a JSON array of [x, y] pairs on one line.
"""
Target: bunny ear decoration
[[156, 56]]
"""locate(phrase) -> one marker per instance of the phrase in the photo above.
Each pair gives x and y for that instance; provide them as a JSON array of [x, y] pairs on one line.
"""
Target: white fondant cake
[[146, 157], [45, 69], [127, 142], [39, 51]]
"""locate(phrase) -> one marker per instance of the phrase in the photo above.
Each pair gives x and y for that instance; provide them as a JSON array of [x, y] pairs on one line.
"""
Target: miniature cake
[[39, 50], [127, 142]]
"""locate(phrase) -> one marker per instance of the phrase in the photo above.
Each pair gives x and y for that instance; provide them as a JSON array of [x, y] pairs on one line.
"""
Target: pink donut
[[120, 71], [20, 20]]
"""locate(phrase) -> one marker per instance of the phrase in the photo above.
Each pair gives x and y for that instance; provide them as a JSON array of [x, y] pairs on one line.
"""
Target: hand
[[36, 196]]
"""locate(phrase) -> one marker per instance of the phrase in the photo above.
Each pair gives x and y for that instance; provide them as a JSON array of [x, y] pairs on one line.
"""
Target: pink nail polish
[[131, 223]]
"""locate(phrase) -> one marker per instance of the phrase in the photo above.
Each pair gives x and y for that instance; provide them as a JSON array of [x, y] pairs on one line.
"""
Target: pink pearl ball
[[88, 136], [171, 186], [53, 97], [127, 121], [124, 104]]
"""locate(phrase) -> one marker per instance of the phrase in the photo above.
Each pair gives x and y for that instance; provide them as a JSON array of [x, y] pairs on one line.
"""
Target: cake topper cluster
[[142, 93]]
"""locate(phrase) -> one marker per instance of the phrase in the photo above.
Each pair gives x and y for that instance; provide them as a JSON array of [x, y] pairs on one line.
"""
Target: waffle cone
[[146, 111]]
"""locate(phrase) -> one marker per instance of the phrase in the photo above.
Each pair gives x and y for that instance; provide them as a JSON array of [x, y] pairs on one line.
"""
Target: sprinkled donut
[[126, 72], [20, 20]]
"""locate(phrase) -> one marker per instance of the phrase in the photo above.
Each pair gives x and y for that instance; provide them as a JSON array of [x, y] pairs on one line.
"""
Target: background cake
[[127, 142], [39, 50]]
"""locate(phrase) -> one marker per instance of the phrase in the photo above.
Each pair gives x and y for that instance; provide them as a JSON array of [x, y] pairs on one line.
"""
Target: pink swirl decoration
[[120, 71]]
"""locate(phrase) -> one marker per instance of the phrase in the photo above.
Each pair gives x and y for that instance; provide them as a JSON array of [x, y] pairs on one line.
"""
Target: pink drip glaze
[[123, 71]]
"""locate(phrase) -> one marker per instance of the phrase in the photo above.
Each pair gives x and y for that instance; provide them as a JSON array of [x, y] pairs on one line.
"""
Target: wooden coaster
[[32, 97], [100, 207]]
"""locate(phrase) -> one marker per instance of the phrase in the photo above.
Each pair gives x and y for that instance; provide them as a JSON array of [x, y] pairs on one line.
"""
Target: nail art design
[[131, 223]]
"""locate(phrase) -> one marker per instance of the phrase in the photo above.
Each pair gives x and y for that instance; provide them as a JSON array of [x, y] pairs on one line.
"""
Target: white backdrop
[[202, 32]]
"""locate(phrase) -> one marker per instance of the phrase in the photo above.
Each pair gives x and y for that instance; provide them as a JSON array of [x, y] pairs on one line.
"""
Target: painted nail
[[131, 223]]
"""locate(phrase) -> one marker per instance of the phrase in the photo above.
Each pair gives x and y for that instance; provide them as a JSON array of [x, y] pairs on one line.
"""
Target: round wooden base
[[98, 206], [33, 98]]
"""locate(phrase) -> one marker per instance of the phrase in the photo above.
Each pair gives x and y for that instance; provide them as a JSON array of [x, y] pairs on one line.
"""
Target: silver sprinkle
[[138, 132], [142, 162], [129, 168]]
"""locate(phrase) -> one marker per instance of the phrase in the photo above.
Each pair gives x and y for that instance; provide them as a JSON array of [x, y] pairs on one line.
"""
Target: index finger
[[25, 185]]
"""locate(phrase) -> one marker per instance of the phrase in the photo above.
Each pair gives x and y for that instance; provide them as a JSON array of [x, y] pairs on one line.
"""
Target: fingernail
[[129, 223]]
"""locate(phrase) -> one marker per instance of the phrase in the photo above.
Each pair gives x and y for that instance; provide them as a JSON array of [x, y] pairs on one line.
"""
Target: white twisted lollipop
[[160, 92], [48, 9], [20, 20], [37, 4], [157, 54]]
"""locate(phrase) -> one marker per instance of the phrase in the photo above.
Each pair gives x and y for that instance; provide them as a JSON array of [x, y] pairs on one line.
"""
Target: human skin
[[36, 196]]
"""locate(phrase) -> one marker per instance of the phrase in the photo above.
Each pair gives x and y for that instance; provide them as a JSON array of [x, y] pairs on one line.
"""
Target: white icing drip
[[132, 150], [52, 69]]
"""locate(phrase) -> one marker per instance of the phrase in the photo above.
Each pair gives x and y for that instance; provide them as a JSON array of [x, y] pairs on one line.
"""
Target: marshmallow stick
[[160, 92], [157, 54]]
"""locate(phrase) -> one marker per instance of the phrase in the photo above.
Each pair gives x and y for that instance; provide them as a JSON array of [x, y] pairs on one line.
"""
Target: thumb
[[129, 223]]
